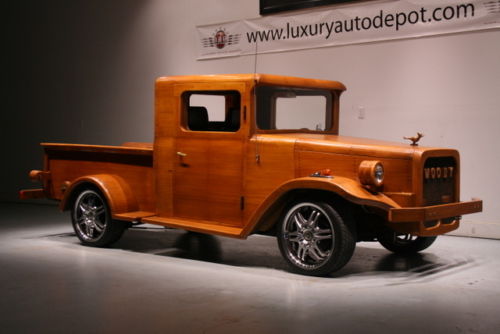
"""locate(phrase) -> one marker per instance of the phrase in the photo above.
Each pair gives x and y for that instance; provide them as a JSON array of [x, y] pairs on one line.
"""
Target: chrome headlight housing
[[371, 173]]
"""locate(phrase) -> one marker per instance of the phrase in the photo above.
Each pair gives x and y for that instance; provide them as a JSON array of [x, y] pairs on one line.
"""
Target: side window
[[296, 109], [290, 112], [212, 111]]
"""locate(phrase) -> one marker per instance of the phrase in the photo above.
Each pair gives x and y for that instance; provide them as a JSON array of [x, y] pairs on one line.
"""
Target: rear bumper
[[431, 220], [32, 194], [36, 176]]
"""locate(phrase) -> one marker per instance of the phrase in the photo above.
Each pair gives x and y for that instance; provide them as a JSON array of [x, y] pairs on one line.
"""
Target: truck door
[[208, 165]]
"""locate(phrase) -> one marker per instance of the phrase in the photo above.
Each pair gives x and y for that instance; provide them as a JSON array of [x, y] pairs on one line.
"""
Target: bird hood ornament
[[414, 140]]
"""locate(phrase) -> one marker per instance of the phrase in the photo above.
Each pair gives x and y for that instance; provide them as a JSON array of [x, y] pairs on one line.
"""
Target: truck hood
[[355, 146]]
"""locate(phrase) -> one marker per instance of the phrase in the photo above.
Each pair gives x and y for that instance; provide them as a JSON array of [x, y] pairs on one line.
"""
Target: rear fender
[[116, 191]]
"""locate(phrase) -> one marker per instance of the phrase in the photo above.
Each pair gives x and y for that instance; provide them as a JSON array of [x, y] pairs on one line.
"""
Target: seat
[[233, 119], [198, 118]]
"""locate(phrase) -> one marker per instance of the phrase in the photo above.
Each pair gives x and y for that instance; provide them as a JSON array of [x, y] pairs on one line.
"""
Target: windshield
[[285, 108]]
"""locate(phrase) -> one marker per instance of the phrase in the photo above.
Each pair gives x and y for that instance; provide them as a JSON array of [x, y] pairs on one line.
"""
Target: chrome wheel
[[404, 239], [403, 243], [90, 215], [92, 221], [309, 236], [315, 239]]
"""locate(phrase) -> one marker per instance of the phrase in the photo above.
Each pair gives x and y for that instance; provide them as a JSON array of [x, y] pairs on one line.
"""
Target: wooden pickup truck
[[235, 155]]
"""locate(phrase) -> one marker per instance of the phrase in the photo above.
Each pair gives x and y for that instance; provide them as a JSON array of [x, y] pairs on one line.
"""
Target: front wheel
[[404, 243], [314, 239], [92, 221]]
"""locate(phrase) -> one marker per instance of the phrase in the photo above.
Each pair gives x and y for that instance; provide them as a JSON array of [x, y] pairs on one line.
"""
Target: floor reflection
[[409, 262], [260, 251], [373, 262], [198, 246]]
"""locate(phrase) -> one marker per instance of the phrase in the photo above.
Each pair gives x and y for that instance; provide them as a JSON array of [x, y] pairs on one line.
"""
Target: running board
[[133, 215], [202, 226]]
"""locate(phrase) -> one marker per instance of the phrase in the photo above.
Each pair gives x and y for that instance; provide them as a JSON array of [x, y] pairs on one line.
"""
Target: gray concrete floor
[[168, 281]]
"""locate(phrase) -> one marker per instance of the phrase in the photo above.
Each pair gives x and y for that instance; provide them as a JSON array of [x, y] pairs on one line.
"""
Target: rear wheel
[[400, 243], [92, 221], [314, 239]]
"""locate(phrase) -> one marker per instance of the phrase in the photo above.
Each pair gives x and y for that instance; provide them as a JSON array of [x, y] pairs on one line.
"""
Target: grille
[[439, 175]]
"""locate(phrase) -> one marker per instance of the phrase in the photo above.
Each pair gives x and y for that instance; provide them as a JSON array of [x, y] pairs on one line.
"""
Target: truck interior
[[212, 110]]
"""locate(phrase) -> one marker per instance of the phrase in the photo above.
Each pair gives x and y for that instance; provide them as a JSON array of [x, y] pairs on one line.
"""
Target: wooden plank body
[[131, 167], [229, 183]]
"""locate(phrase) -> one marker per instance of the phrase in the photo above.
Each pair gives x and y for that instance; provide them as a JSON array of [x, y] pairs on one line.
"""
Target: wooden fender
[[349, 189], [117, 192]]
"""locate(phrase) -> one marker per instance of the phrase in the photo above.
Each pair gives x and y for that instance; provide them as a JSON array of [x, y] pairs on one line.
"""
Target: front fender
[[117, 192], [346, 188]]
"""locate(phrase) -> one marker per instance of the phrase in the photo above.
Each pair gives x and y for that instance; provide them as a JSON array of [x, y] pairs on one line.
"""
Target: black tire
[[92, 222], [315, 239], [401, 243]]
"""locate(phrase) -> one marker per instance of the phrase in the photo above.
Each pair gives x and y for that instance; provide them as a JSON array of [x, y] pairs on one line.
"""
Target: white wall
[[84, 72]]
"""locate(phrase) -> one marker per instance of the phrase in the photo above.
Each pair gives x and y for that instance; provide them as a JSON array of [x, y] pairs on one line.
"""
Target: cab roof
[[266, 79]]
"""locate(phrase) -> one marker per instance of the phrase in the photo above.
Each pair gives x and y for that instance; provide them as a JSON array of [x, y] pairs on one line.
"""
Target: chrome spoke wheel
[[404, 243], [404, 238], [308, 236], [315, 239], [90, 215], [92, 220]]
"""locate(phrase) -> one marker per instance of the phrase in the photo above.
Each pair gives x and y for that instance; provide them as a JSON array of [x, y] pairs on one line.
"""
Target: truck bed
[[132, 162]]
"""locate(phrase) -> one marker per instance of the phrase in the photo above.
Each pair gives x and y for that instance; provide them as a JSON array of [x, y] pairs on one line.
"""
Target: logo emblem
[[220, 39], [438, 173]]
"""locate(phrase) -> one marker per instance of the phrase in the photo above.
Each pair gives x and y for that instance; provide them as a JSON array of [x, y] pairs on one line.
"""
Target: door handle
[[181, 154]]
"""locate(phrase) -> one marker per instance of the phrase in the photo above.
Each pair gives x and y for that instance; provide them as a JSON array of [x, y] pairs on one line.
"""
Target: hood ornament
[[414, 140]]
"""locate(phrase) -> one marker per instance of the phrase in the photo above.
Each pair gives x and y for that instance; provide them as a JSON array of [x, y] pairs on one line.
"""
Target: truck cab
[[214, 149]]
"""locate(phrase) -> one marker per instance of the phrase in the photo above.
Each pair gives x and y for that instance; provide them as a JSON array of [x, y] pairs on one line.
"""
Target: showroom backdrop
[[83, 71], [343, 25]]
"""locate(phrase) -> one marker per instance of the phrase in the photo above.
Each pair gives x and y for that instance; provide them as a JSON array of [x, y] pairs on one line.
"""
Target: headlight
[[371, 173]]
